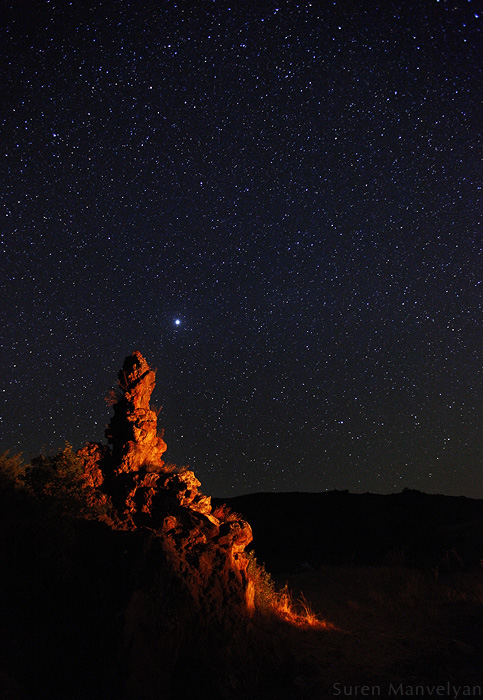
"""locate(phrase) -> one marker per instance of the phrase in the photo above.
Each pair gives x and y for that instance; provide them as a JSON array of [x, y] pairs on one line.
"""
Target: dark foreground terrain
[[397, 577], [397, 630]]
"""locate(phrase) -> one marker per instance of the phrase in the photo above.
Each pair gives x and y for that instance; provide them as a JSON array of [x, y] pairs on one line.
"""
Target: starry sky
[[279, 204]]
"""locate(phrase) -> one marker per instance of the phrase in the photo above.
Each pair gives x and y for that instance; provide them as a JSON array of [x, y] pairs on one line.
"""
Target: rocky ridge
[[198, 552]]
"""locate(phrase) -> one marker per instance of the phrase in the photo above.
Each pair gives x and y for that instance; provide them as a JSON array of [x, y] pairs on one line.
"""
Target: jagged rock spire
[[205, 549], [133, 430]]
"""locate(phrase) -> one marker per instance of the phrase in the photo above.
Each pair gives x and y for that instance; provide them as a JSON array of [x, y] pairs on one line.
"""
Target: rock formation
[[132, 431], [200, 557]]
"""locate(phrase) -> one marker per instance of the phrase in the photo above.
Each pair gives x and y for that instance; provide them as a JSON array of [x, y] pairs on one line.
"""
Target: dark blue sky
[[299, 184]]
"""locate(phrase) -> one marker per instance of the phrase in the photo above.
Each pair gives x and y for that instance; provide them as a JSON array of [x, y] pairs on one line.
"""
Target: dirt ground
[[398, 633]]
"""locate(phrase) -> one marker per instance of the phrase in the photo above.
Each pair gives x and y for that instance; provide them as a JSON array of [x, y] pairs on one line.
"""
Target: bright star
[[177, 322]]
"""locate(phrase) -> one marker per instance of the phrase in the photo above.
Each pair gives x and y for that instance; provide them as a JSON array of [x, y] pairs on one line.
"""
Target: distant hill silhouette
[[120, 580], [293, 531]]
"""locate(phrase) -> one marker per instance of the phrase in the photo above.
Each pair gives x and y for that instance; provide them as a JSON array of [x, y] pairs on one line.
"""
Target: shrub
[[58, 480], [12, 470]]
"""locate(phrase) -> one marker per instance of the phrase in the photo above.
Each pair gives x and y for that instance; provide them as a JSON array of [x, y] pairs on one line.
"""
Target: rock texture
[[132, 431], [194, 561]]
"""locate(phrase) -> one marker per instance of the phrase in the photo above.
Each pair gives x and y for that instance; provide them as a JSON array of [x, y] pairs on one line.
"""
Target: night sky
[[279, 204]]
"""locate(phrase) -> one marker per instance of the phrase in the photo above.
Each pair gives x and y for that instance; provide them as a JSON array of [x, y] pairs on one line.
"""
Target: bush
[[58, 480], [12, 470]]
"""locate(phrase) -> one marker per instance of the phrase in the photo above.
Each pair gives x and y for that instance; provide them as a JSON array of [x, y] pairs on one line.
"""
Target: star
[[290, 223]]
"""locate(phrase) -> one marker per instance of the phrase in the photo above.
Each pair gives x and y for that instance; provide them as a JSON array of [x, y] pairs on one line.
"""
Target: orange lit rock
[[133, 430], [184, 485], [93, 454], [204, 553]]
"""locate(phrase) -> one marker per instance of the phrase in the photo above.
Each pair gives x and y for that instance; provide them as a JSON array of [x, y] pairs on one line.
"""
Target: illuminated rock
[[204, 552], [133, 430], [93, 454]]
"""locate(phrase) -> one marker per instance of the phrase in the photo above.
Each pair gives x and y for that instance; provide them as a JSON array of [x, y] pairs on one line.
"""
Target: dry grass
[[400, 626], [280, 602], [225, 513], [297, 611]]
